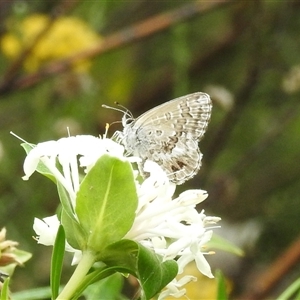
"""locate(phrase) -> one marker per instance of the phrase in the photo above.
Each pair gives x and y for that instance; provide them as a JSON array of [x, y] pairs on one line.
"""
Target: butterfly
[[168, 134]]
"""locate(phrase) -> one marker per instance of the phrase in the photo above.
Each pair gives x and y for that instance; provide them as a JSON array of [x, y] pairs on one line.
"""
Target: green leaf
[[76, 237], [95, 276], [57, 261], [221, 291], [5, 290], [154, 274], [291, 291], [122, 254], [129, 257], [65, 200], [74, 232], [141, 262], [106, 202], [118, 257], [108, 288], [218, 242], [27, 147]]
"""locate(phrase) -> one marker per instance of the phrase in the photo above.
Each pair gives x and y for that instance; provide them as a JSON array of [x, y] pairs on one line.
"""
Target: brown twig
[[117, 40]]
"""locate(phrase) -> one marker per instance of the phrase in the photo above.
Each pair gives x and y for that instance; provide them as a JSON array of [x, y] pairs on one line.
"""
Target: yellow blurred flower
[[67, 36]]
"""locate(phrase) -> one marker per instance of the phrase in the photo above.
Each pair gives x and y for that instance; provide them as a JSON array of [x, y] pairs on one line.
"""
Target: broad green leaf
[[154, 274], [218, 242], [141, 262], [57, 261], [221, 291], [122, 254], [106, 202], [130, 257]]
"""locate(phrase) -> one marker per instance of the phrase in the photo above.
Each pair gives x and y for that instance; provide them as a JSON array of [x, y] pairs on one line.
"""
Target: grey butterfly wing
[[168, 134]]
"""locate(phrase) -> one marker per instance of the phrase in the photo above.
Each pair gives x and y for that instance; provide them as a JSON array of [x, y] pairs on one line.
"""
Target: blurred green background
[[245, 54]]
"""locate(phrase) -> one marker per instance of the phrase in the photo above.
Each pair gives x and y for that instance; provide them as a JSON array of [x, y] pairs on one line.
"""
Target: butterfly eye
[[128, 121]]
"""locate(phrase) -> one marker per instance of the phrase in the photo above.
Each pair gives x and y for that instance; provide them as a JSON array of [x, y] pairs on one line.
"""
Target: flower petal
[[46, 229]]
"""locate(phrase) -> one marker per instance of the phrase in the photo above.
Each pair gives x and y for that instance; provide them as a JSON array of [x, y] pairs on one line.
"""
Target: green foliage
[[106, 202], [292, 292], [33, 294], [139, 261], [221, 291], [108, 288], [127, 256], [255, 174], [5, 290], [57, 261], [98, 224], [154, 274], [219, 243]]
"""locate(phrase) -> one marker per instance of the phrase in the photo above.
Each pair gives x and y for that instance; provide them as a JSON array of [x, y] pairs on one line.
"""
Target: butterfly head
[[127, 119]]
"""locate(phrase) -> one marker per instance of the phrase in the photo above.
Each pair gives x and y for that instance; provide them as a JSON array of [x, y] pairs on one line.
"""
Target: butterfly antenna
[[124, 110]]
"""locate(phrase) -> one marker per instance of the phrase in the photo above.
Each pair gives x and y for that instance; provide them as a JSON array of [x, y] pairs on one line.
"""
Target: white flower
[[68, 151], [173, 288], [172, 228], [46, 231]]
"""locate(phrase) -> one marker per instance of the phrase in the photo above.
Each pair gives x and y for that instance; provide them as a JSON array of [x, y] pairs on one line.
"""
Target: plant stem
[[86, 262]]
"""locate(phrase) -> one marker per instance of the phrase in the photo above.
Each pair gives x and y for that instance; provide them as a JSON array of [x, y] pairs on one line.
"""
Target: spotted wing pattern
[[169, 134]]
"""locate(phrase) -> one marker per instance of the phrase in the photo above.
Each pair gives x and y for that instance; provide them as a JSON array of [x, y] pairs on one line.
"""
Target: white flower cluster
[[172, 228], [68, 151]]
